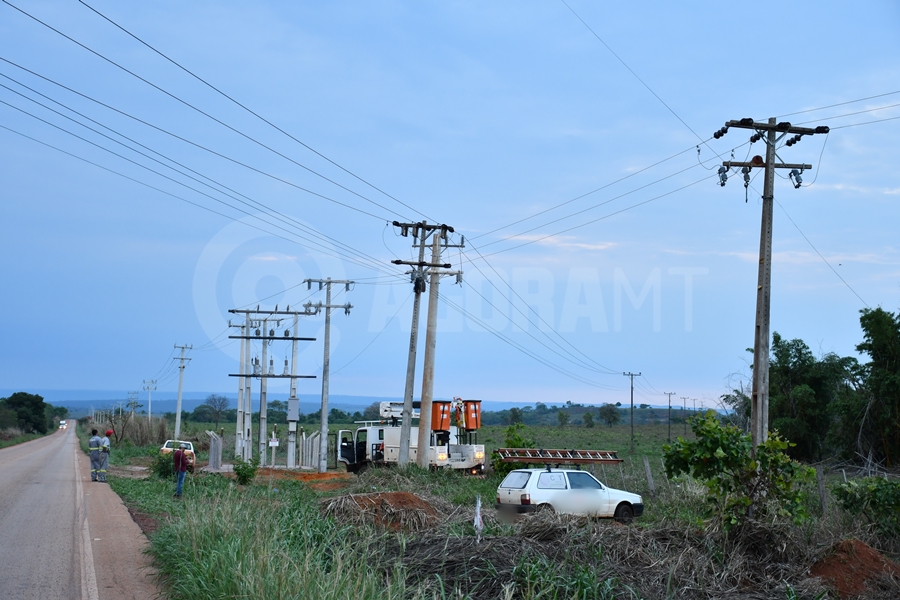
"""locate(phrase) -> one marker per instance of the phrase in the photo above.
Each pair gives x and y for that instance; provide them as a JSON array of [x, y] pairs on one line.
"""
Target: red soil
[[387, 506], [849, 565]]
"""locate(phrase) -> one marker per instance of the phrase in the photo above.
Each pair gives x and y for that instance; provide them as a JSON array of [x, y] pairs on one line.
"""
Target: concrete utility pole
[[150, 386], [420, 234], [771, 132], [684, 413], [180, 387], [670, 394], [239, 426], [257, 327], [323, 430], [632, 376]]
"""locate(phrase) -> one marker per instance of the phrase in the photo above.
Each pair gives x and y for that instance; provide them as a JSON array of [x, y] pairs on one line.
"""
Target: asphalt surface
[[61, 535]]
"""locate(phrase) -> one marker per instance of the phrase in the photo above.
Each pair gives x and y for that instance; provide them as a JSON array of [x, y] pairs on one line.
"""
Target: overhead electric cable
[[255, 114], [191, 106], [859, 112], [255, 204], [327, 252], [865, 123], [800, 112]]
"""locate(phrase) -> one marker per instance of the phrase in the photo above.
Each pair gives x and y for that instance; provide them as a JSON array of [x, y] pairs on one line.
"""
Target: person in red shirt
[[180, 463]]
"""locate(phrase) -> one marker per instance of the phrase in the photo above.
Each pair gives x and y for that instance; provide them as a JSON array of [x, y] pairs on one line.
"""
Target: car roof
[[550, 470]]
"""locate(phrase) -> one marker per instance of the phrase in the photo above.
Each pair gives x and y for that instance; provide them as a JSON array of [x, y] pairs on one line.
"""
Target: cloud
[[562, 241]]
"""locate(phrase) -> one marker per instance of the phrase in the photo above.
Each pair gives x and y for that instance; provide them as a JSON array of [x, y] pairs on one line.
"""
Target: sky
[[228, 151]]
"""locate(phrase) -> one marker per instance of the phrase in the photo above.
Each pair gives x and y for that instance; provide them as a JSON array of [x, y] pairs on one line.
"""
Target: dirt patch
[[147, 523], [389, 510], [850, 565], [306, 476], [130, 472]]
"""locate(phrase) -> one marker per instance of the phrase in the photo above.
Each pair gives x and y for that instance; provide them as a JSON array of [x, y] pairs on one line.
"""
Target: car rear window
[[552, 481], [516, 480], [583, 481]]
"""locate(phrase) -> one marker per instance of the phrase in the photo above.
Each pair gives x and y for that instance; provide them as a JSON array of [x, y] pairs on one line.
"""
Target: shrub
[[515, 438], [877, 499], [162, 465], [244, 470], [739, 483]]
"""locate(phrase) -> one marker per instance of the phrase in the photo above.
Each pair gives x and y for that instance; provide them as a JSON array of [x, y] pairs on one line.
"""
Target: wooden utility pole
[[439, 239], [632, 376], [670, 394], [772, 133]]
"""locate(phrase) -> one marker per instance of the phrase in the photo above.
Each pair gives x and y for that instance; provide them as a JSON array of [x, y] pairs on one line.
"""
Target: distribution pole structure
[[420, 234], [771, 132], [256, 327], [684, 413], [323, 431], [670, 394], [180, 387], [150, 386], [632, 376]]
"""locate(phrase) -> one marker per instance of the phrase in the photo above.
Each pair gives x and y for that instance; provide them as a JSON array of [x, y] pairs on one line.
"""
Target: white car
[[567, 491]]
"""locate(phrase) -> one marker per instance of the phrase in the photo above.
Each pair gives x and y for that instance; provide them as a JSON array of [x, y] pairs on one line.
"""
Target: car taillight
[[498, 498], [525, 498]]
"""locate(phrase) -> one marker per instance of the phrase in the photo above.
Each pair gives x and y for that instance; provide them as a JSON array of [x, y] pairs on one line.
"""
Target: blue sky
[[512, 122]]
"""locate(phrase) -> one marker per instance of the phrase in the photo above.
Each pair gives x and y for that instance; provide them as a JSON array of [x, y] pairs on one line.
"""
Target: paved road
[[62, 536]]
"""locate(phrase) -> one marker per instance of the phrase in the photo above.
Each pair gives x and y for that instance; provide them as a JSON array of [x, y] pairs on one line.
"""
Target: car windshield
[[583, 481], [516, 480]]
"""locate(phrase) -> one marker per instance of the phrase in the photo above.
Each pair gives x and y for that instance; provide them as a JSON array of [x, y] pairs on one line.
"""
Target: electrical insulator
[[794, 140], [723, 175], [271, 367], [285, 367], [257, 332], [755, 138], [721, 132], [795, 177], [748, 122], [783, 126], [746, 172], [822, 129], [287, 333], [271, 333]]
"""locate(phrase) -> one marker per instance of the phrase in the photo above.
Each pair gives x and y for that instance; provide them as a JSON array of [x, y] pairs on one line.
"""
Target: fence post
[[215, 451], [622, 476], [649, 476], [823, 497]]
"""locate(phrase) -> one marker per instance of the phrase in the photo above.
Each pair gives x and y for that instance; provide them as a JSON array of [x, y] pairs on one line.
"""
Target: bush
[[515, 438], [245, 471], [877, 499], [739, 483], [162, 465]]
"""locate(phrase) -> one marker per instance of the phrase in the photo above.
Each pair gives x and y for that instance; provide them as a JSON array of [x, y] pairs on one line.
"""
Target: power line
[[858, 112], [800, 112], [258, 116], [191, 106], [270, 212], [865, 123]]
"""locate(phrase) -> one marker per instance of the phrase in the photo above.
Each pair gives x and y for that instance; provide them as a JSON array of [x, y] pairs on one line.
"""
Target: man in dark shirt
[[180, 463]]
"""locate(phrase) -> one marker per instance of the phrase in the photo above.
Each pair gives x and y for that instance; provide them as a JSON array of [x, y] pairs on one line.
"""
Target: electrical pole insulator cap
[[822, 129], [783, 126], [757, 161], [748, 122]]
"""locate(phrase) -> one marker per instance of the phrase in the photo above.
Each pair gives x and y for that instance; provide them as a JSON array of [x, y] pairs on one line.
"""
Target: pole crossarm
[[273, 376], [783, 127], [287, 312], [421, 264], [271, 337], [731, 163]]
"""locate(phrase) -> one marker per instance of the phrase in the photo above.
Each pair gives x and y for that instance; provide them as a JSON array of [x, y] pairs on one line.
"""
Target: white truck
[[452, 446]]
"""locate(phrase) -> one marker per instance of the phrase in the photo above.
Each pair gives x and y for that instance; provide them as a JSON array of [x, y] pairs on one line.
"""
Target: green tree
[[217, 404], [741, 484], [609, 414], [516, 437], [515, 415], [880, 419], [563, 418], [588, 420], [372, 412], [29, 409]]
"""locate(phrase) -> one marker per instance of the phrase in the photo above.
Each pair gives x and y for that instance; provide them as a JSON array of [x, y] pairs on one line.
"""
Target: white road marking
[[88, 576]]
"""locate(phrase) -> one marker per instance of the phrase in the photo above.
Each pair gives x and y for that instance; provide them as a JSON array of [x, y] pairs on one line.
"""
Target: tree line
[[29, 413]]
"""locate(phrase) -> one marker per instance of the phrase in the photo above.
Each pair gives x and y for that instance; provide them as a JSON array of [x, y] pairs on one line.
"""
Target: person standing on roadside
[[180, 463], [94, 449], [104, 455]]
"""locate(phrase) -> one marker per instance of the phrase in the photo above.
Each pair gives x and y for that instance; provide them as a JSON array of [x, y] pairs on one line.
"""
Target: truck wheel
[[624, 514]]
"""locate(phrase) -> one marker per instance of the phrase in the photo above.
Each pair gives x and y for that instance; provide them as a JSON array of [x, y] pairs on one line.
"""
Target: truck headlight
[[479, 455], [442, 456]]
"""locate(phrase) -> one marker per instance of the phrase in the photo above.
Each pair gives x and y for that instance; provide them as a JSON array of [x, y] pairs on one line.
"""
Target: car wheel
[[545, 508], [624, 514]]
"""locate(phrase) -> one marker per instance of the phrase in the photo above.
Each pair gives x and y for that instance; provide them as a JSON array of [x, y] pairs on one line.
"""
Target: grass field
[[272, 538]]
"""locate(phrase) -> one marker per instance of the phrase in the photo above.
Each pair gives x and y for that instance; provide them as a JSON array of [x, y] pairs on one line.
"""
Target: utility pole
[[417, 274], [180, 387], [256, 327], [323, 430], [684, 413], [670, 394], [150, 386], [239, 426], [632, 376], [771, 132]]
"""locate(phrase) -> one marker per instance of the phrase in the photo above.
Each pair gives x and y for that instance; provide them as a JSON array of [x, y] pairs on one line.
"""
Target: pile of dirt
[[389, 510], [851, 565]]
